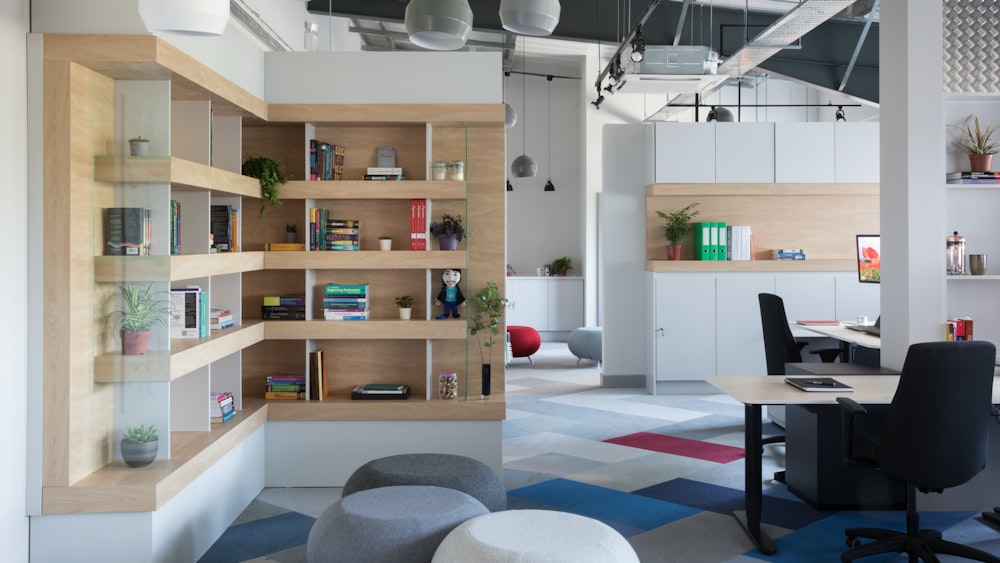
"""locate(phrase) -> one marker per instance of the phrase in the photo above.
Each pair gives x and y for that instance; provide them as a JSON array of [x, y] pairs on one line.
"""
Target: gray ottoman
[[586, 343], [389, 524], [461, 473]]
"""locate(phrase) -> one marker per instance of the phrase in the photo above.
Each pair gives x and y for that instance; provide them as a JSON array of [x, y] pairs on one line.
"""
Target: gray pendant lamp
[[510, 114], [523, 166], [529, 17], [439, 25], [188, 17]]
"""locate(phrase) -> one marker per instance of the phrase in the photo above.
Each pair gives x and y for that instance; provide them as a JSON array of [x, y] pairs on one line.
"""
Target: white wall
[[13, 226]]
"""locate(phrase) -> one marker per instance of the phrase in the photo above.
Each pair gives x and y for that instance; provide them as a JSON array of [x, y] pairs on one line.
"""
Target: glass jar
[[456, 170], [448, 385], [955, 249], [439, 170]]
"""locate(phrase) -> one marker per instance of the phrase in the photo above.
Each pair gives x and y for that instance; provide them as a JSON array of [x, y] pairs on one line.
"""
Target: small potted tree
[[141, 309], [269, 173], [405, 304], [139, 445], [561, 266], [977, 142], [486, 313], [291, 232], [138, 146], [676, 225], [384, 242], [449, 230]]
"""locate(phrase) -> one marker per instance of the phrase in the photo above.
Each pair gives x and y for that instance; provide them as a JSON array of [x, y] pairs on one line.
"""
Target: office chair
[[934, 436]]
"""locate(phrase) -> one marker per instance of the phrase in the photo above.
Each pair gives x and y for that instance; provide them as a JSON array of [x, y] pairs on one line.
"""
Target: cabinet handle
[[660, 330]]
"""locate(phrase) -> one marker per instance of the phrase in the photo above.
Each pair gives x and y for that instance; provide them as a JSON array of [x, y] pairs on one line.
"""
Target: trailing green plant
[[142, 307], [448, 225], [976, 139], [270, 173], [486, 312], [404, 301], [140, 434], [678, 223], [562, 265], [291, 228]]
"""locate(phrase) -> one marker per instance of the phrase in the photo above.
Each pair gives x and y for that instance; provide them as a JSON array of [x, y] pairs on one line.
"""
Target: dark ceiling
[[822, 57]]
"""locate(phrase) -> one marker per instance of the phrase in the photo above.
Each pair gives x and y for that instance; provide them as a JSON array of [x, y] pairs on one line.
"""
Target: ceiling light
[[638, 46], [530, 17], [839, 115], [549, 187], [439, 25], [510, 187], [720, 114], [510, 114], [188, 17], [523, 166]]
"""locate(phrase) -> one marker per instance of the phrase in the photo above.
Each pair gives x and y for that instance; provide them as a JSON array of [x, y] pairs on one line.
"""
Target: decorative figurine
[[450, 294]]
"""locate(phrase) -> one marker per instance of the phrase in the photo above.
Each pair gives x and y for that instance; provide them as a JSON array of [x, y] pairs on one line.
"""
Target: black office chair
[[934, 436], [780, 346]]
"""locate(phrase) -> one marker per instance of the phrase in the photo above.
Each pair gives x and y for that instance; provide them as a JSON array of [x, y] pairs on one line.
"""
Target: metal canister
[[955, 249]]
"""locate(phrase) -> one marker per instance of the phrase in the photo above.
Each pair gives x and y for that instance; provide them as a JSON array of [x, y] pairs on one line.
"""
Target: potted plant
[[977, 142], [139, 445], [676, 225], [141, 308], [562, 265], [138, 146], [405, 304], [486, 313], [291, 232], [269, 173], [385, 242], [448, 230]]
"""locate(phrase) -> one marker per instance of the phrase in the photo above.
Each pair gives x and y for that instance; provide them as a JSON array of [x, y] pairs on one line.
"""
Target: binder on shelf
[[702, 240], [720, 245]]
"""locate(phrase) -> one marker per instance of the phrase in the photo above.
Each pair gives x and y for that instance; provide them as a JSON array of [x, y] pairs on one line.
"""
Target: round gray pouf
[[389, 524], [585, 343], [461, 473]]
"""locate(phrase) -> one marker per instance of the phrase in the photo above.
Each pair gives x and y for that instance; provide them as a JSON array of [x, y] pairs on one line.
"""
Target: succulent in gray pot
[[139, 445]]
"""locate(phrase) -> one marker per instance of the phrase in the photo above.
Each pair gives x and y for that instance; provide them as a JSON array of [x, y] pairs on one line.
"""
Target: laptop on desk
[[874, 330]]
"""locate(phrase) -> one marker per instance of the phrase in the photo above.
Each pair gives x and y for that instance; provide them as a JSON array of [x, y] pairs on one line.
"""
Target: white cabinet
[[744, 153], [684, 153], [740, 339], [547, 304], [856, 152], [803, 152], [683, 326]]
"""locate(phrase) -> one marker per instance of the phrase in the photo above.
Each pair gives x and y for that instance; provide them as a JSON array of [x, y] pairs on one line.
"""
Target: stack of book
[[326, 160], [126, 231], [788, 254], [283, 308], [343, 234], [740, 240], [285, 387], [220, 318], [710, 240], [958, 329], [189, 317], [387, 173], [345, 302], [973, 177], [222, 406], [381, 391], [418, 224]]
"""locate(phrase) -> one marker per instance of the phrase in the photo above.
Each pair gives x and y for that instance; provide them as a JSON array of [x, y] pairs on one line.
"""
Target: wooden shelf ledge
[[358, 189], [365, 260], [736, 266], [365, 330], [414, 408]]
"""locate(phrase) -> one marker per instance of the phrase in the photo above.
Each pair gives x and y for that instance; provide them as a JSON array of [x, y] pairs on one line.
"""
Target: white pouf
[[524, 536]]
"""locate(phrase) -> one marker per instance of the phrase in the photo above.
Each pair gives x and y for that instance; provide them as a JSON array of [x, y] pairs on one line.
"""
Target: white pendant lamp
[[529, 17], [189, 17], [439, 25], [510, 114]]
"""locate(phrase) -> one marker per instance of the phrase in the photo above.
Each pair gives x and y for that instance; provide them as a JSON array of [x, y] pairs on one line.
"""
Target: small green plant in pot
[[291, 232], [141, 309], [977, 142], [486, 310], [449, 230], [385, 242], [270, 173], [561, 266], [138, 146], [405, 304], [676, 225], [139, 445]]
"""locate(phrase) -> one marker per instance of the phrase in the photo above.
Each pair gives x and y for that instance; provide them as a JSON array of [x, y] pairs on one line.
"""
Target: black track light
[[839, 116], [638, 46], [600, 100], [549, 187], [510, 187]]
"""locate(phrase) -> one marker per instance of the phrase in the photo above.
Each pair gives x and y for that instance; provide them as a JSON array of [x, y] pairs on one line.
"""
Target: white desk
[[844, 334]]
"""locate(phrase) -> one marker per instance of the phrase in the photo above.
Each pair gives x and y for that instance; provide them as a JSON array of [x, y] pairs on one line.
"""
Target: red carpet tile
[[679, 446]]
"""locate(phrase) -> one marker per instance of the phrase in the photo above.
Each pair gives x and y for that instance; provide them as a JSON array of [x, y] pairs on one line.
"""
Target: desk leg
[[753, 487]]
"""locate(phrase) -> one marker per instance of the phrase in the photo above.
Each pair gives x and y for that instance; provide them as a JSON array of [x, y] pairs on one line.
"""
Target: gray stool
[[461, 473], [389, 524], [585, 343]]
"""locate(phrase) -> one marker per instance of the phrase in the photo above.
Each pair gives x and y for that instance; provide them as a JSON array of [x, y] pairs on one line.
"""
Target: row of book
[[418, 224], [127, 231], [959, 328], [175, 227], [384, 173], [788, 254], [189, 312], [222, 406], [973, 177], [332, 234], [224, 232], [345, 302], [283, 308], [326, 160], [290, 387]]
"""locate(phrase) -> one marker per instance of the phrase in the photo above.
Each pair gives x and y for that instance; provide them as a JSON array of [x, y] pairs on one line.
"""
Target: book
[[385, 171], [820, 384], [386, 157], [220, 225], [282, 313], [361, 393], [318, 385], [276, 246], [185, 312], [381, 388], [972, 175], [818, 323], [126, 231], [284, 300], [975, 181], [175, 227], [284, 395], [385, 177], [418, 224]]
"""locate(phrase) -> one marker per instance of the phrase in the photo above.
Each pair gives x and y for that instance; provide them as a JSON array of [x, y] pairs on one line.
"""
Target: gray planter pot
[[139, 454], [138, 148]]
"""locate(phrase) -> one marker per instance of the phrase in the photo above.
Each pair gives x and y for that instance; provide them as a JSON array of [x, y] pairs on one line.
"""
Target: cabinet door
[[856, 152], [684, 153], [684, 326], [744, 152], [808, 295], [803, 152], [740, 339], [529, 297], [565, 298]]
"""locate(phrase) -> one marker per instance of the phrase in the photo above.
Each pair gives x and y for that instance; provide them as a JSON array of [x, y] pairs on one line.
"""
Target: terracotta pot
[[674, 251], [134, 343], [980, 162]]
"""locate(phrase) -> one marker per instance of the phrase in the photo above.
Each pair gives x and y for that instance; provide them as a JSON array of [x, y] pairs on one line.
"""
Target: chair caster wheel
[[853, 542]]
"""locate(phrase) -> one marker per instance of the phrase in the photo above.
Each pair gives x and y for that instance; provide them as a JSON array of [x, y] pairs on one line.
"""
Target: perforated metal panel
[[971, 46]]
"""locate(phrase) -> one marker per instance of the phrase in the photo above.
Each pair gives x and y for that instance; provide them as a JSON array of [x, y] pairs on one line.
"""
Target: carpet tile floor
[[664, 471]]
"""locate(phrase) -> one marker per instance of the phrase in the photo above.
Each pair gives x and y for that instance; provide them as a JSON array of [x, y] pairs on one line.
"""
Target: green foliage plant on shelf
[[404, 301], [291, 228], [678, 223], [142, 308], [486, 312], [976, 139], [140, 434], [562, 265], [138, 139], [448, 225], [270, 173]]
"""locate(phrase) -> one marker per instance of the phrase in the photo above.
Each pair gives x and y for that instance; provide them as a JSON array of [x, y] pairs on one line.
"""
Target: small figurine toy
[[450, 294]]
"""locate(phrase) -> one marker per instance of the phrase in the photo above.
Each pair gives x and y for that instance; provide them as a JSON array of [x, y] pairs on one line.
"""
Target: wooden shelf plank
[[182, 173], [679, 266], [112, 269], [364, 260], [365, 330], [358, 189], [381, 114], [492, 408]]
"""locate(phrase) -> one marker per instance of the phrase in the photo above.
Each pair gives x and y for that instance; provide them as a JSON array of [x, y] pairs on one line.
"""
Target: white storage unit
[[547, 304], [856, 152], [744, 153], [804, 152], [685, 153]]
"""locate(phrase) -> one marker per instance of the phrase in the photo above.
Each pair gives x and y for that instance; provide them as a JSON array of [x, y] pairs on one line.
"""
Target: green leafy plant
[[404, 301], [142, 307], [976, 139], [449, 225], [140, 434], [384, 237], [138, 139], [678, 223], [486, 311], [291, 228], [270, 173], [562, 265]]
